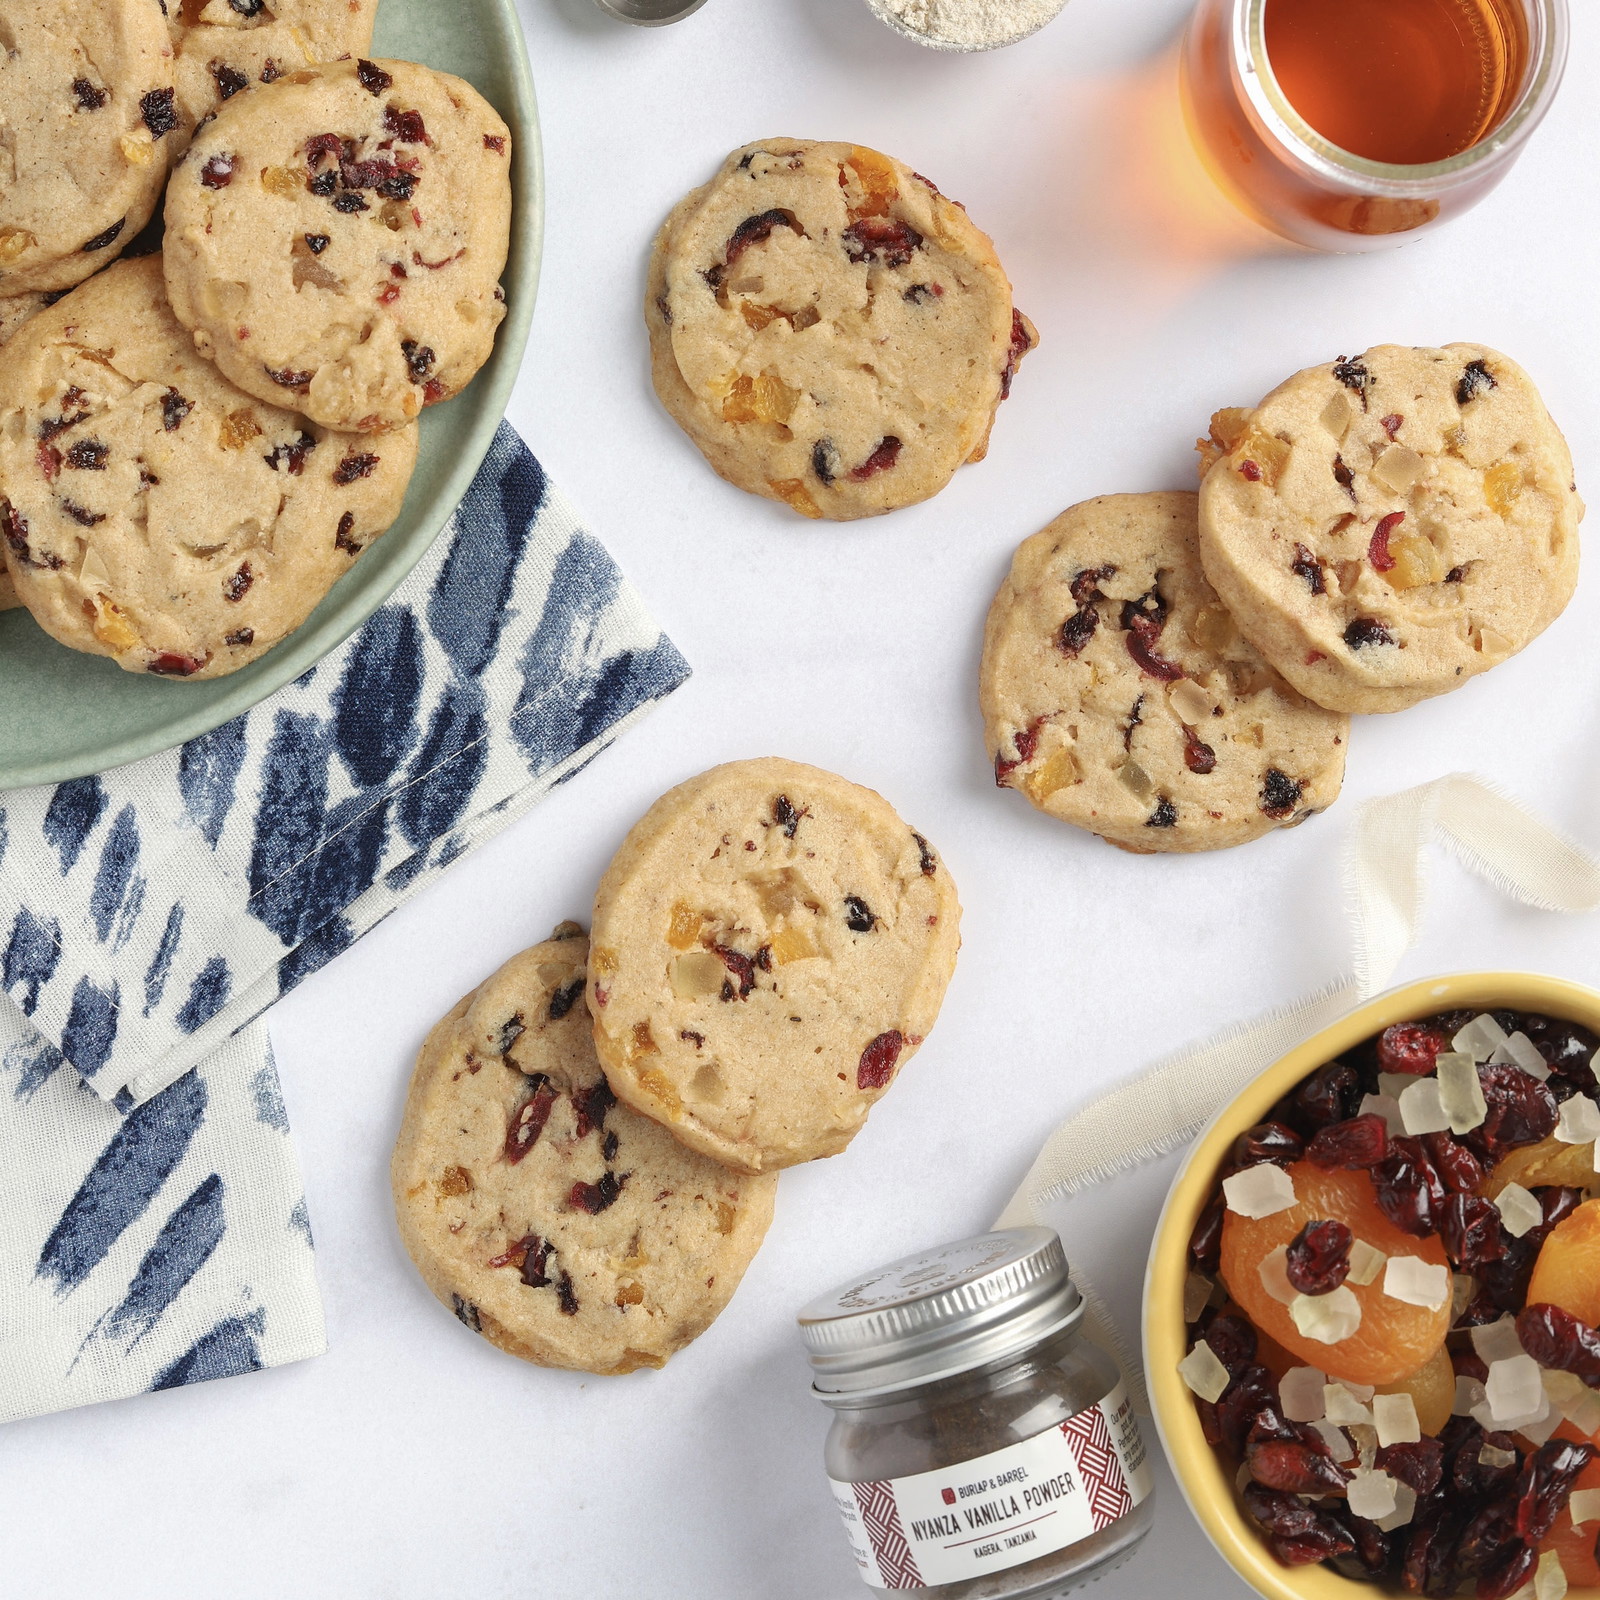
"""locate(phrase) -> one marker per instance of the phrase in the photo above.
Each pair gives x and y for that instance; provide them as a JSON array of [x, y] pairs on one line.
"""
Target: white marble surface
[[415, 1461]]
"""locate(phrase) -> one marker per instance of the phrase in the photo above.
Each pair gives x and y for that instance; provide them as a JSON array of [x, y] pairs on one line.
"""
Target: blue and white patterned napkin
[[152, 1226]]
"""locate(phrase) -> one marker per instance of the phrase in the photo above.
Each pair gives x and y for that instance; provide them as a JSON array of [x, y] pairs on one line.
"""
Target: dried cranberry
[[82, 515], [1420, 1466], [1410, 1047], [1546, 1483], [858, 917], [174, 408], [1391, 423], [535, 1261], [877, 1063], [1302, 1465], [1252, 1391], [217, 173], [1280, 794], [1297, 1534], [1250, 470], [1378, 549], [528, 1120], [1374, 1549], [1360, 1142], [1330, 1095], [240, 637], [1205, 1243], [353, 467], [1461, 1170], [1233, 1342], [1353, 375], [323, 144], [597, 1197], [566, 1296], [927, 864], [1557, 1339], [1344, 477], [786, 815], [1366, 631], [1078, 630], [1475, 379], [1197, 757], [344, 536], [291, 456], [372, 77], [1470, 1228], [1021, 344], [1521, 1111], [1427, 1564], [287, 379], [158, 113], [564, 999], [883, 240], [419, 359], [172, 665], [1319, 1257], [752, 231], [881, 460], [1567, 1048], [405, 127], [229, 81], [238, 586], [1267, 1141], [1143, 619], [590, 1106], [1305, 565], [1404, 1193]]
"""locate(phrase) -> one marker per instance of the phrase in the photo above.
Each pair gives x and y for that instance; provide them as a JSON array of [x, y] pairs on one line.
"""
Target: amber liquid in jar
[[1400, 81]]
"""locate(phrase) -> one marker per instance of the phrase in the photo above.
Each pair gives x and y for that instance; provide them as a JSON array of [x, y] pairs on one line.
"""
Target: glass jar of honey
[[980, 1448], [1351, 125]]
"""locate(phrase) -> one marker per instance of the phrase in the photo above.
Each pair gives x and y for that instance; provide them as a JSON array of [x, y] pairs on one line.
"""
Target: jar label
[[999, 1510]]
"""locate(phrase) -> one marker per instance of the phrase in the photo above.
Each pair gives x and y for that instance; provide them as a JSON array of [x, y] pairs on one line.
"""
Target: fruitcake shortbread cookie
[[225, 46], [1387, 527], [16, 309], [335, 240], [86, 108], [151, 511], [829, 329], [1118, 695], [562, 1226], [771, 944], [8, 590]]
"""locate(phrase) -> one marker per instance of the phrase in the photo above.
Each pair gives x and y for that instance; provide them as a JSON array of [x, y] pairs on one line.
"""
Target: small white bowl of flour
[[966, 24]]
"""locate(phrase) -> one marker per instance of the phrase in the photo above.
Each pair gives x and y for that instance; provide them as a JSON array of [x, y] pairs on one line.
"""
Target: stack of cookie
[[829, 329], [590, 1147], [1177, 672], [195, 447]]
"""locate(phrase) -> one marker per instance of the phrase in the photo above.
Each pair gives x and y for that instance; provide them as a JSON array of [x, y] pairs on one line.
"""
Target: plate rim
[[314, 640]]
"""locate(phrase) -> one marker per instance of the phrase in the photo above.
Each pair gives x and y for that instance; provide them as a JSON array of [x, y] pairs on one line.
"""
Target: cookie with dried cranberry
[[829, 329], [16, 309], [563, 1227], [335, 240], [1118, 695], [154, 513], [771, 945], [227, 46], [1387, 527], [86, 116]]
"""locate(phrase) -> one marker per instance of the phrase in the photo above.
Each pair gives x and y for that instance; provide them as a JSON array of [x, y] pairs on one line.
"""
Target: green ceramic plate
[[63, 714]]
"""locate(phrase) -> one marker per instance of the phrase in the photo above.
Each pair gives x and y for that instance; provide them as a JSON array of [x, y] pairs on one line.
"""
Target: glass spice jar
[[980, 1448], [1296, 181]]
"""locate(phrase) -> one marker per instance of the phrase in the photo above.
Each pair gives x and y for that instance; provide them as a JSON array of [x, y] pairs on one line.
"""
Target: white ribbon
[[1385, 872]]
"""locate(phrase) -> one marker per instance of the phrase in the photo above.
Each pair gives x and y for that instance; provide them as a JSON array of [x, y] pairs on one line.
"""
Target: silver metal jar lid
[[940, 1312]]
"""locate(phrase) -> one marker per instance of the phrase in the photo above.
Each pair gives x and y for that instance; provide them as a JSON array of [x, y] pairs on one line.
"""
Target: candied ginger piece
[[1326, 1318], [1416, 1282], [1260, 1191], [1203, 1372]]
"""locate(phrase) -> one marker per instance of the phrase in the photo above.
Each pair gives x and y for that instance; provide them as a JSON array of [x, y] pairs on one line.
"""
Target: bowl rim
[[1199, 1471]]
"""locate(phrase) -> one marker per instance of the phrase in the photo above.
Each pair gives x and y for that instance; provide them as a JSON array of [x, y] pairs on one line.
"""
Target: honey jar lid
[[940, 1312]]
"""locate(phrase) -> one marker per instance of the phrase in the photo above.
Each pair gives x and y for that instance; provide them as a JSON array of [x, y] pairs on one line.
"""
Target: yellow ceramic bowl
[[1207, 1483]]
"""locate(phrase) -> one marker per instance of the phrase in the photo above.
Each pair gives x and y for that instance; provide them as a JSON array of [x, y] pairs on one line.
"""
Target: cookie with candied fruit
[[829, 329], [566, 1229], [1119, 696], [335, 240], [771, 945], [1385, 528]]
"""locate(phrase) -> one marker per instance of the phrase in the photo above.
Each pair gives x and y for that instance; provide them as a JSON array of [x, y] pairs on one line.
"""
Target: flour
[[969, 24]]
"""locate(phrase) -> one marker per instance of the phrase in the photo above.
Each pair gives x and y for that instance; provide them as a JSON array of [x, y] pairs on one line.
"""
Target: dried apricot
[[1394, 1339], [1567, 1273], [1432, 1391], [1576, 1546], [1539, 1166]]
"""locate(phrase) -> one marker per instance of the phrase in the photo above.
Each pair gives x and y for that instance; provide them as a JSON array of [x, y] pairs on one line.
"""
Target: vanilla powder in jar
[[980, 1448]]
